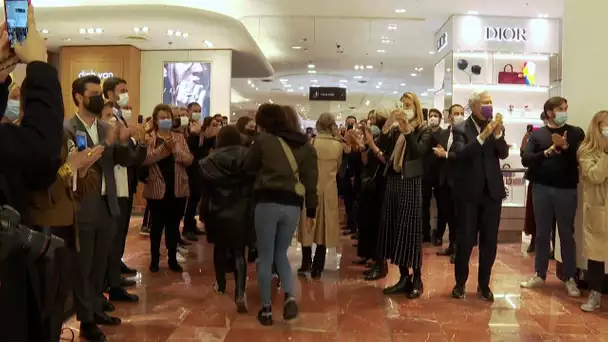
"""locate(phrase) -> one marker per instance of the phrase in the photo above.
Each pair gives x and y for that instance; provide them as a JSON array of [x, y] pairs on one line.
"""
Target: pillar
[[585, 71]]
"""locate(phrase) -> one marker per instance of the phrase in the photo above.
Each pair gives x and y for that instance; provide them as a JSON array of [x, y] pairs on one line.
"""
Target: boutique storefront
[[517, 60]]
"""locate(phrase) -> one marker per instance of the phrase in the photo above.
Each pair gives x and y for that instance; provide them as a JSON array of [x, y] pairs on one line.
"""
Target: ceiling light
[[82, 31], [369, 67], [392, 27], [343, 81], [301, 88], [208, 43], [178, 33], [413, 74], [449, 69], [395, 92], [377, 87], [379, 83], [290, 90], [314, 81], [66, 39], [185, 35], [90, 30], [252, 85], [296, 47], [431, 90], [543, 15], [145, 29], [431, 52], [400, 10], [311, 66], [270, 100], [44, 31], [473, 12], [367, 103], [248, 81], [357, 67], [312, 71], [136, 29], [448, 94], [256, 88], [287, 85], [358, 77], [283, 80], [381, 51], [403, 84], [418, 69], [98, 30], [424, 94], [170, 32], [386, 41]]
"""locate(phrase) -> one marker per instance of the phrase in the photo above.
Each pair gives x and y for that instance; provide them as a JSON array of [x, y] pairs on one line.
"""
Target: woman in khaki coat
[[593, 160], [325, 233]]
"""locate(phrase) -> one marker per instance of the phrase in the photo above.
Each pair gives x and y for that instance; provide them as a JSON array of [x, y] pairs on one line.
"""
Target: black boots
[[378, 271], [173, 264], [417, 287], [240, 279], [316, 266], [306, 261], [404, 285]]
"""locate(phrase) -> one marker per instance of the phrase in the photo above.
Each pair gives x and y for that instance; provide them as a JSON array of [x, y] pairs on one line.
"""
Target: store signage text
[[442, 41], [102, 75], [506, 34]]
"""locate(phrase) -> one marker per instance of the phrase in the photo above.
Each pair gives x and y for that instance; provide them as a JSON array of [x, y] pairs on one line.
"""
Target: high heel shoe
[[417, 288]]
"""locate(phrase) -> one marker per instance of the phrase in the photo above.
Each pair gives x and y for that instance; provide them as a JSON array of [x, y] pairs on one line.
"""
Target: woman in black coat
[[227, 209]]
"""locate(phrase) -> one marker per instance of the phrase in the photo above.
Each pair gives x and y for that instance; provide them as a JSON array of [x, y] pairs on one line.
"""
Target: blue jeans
[[275, 225], [560, 205]]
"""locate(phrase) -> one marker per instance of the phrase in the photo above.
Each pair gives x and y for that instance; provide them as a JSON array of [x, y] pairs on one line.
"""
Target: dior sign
[[505, 34]]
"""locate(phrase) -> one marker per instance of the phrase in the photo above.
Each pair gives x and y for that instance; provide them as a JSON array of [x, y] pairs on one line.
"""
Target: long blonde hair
[[594, 139], [418, 111]]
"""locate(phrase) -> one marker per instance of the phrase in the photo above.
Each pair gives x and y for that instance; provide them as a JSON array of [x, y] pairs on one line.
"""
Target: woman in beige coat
[[326, 231], [593, 160]]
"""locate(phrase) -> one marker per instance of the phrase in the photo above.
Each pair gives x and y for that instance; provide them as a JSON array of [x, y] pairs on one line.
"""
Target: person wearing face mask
[[246, 126], [430, 181], [98, 212], [478, 187], [550, 156], [193, 137], [593, 160], [445, 181], [167, 187], [405, 141]]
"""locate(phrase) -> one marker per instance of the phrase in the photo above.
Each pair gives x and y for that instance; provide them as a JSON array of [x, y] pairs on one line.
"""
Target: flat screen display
[[187, 82]]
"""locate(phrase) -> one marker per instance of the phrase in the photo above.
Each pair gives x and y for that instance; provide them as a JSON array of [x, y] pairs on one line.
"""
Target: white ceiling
[[358, 26]]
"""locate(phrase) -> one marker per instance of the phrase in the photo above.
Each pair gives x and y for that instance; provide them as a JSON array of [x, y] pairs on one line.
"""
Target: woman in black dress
[[406, 140]]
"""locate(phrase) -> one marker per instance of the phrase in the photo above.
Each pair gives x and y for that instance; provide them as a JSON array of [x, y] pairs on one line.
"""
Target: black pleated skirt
[[400, 236]]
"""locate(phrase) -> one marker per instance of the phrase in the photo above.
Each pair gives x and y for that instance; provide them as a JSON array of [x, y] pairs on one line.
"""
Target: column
[[585, 71]]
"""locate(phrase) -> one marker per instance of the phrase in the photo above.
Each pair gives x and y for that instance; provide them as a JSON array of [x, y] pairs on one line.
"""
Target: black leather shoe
[[107, 306], [104, 319], [124, 269], [92, 333], [417, 288], [375, 274], [190, 236], [360, 261], [530, 249], [305, 268], [446, 252], [316, 273], [118, 294], [437, 242], [458, 292], [404, 285], [485, 294], [127, 282], [453, 259], [175, 266]]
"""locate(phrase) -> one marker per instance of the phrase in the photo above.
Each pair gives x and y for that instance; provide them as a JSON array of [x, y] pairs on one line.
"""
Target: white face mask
[[196, 116], [458, 119], [123, 99], [410, 114], [184, 121], [434, 121], [126, 114]]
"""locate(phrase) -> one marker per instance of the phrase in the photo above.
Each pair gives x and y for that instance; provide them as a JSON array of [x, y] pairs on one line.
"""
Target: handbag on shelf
[[511, 77]]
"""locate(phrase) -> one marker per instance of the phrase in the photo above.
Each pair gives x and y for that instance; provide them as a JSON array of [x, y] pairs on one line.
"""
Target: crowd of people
[[258, 182]]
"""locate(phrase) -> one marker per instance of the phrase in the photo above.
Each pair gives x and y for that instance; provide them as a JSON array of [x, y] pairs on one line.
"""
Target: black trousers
[[119, 241], [318, 262], [166, 214], [146, 221], [349, 193], [96, 239], [597, 275], [191, 208], [446, 213], [228, 260], [478, 217], [428, 190]]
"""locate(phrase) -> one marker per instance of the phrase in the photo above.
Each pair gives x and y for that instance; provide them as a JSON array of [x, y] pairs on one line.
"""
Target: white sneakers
[[593, 303], [182, 250], [180, 258], [572, 288], [536, 281]]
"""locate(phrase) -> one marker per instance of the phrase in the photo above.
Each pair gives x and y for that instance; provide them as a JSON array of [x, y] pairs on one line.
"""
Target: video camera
[[16, 237]]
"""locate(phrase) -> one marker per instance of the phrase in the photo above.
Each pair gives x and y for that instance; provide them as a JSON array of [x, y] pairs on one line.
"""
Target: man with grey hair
[[478, 144]]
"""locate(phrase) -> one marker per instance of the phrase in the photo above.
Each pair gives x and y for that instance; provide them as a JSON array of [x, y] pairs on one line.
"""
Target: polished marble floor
[[342, 307]]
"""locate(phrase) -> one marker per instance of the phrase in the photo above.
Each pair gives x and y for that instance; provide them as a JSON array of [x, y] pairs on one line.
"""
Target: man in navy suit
[[478, 145]]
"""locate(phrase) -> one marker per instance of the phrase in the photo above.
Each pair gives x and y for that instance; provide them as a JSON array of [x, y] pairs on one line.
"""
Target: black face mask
[[95, 104], [252, 132]]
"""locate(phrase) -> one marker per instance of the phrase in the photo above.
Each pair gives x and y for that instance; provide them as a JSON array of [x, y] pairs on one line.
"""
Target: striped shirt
[[155, 186]]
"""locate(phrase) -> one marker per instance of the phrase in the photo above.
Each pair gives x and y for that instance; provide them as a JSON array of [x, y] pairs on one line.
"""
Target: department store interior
[[352, 59]]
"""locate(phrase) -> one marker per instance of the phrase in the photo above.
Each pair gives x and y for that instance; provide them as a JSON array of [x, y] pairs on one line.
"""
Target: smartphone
[[81, 141], [140, 119], [349, 127], [15, 12]]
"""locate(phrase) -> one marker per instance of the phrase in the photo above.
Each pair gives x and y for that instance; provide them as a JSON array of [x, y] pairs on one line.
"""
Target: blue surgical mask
[[560, 118], [12, 110], [165, 124], [605, 132]]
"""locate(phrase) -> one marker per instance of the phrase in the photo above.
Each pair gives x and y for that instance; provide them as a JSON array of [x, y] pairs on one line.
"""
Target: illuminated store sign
[[442, 41], [506, 34], [102, 75]]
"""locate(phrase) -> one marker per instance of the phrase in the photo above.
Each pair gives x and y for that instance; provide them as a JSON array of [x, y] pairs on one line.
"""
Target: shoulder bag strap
[[290, 158]]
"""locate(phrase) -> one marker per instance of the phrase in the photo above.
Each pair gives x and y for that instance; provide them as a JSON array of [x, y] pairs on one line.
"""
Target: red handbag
[[511, 77]]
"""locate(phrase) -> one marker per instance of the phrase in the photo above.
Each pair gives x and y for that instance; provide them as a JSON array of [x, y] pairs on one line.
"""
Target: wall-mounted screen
[[187, 82]]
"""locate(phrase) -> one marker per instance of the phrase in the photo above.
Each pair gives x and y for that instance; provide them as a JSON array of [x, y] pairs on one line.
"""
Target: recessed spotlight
[[287, 85], [386, 41], [343, 81], [358, 77], [248, 81], [290, 90], [296, 47], [185, 35], [431, 52], [403, 84], [424, 94], [66, 39], [208, 43], [431, 90], [45, 31], [82, 31], [311, 66], [98, 30], [543, 15], [136, 29], [413, 74], [472, 12], [178, 33], [283, 80], [381, 51], [377, 87], [357, 67], [312, 71], [392, 27], [449, 70], [145, 29], [256, 88], [448, 94], [301, 88], [313, 81], [367, 103], [400, 10], [379, 83], [252, 85], [170, 32], [395, 92], [369, 67], [90, 30]]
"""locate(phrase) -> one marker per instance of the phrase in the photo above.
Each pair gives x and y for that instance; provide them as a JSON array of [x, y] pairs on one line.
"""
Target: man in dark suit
[[445, 181], [430, 184], [478, 146], [96, 217]]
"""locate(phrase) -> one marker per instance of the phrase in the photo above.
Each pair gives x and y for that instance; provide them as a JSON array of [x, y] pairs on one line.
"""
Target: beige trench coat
[[327, 227], [594, 176]]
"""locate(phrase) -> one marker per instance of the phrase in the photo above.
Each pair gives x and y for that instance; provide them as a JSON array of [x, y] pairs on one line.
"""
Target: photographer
[[30, 155]]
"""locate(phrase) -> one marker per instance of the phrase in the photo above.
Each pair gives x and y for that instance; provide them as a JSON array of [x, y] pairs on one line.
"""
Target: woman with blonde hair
[[593, 160], [405, 140], [326, 231]]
